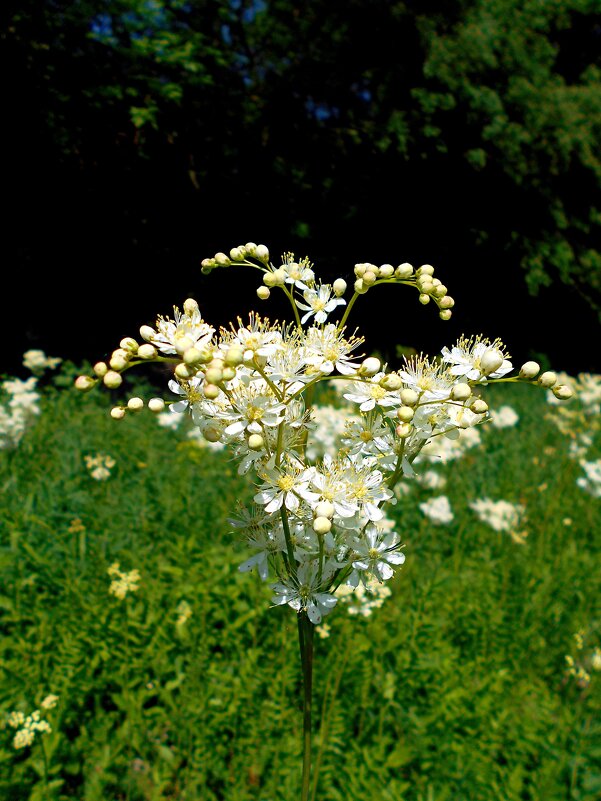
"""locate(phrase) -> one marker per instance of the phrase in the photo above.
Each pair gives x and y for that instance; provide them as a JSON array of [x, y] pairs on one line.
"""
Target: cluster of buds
[[530, 372], [315, 524], [429, 288]]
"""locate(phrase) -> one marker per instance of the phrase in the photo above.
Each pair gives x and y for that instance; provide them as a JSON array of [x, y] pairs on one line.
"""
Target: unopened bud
[[491, 360], [424, 299], [112, 380], [325, 509], [440, 291], [210, 391], [403, 430], [405, 414], [280, 276], [548, 379], [192, 356], [263, 292], [386, 271], [391, 382], [206, 265], [182, 343], [118, 363], [214, 375], [147, 333], [84, 383], [269, 279], [461, 392], [135, 404], [321, 525], [369, 278], [339, 287], [212, 433], [445, 314], [234, 355], [191, 307], [256, 442], [370, 366], [409, 397], [101, 369], [222, 260], [529, 370], [236, 254], [404, 271], [262, 253], [185, 371], [425, 269], [563, 392], [446, 302], [129, 344], [147, 352], [156, 405], [479, 406], [250, 248], [360, 270], [117, 413], [360, 287]]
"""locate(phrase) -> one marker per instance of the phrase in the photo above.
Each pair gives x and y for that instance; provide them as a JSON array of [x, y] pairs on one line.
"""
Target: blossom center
[[286, 483]]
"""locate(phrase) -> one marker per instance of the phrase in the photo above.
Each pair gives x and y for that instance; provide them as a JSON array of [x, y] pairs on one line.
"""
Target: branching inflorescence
[[316, 525]]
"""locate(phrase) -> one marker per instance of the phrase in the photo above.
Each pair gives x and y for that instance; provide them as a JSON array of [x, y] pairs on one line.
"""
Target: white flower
[[37, 361], [286, 486], [591, 481], [430, 380], [472, 359], [319, 303], [438, 510], [189, 324], [304, 593], [504, 417], [368, 393], [327, 349], [377, 553], [499, 515], [300, 273]]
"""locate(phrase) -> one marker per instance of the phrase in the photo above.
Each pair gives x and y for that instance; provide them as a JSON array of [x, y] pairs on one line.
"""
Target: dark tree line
[[144, 135]]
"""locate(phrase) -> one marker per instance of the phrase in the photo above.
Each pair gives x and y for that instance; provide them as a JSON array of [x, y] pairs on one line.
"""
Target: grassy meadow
[[188, 689]]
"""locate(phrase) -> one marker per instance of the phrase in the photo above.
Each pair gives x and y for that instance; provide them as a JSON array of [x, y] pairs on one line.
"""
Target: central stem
[[305, 639]]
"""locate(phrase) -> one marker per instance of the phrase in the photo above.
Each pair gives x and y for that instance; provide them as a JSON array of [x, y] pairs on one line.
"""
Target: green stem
[[293, 304], [305, 639], [45, 757], [340, 325]]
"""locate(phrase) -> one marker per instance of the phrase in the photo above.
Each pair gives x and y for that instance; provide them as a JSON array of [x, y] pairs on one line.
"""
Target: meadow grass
[[454, 690]]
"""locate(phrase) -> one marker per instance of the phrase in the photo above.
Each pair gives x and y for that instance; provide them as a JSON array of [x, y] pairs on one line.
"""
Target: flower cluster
[[100, 466], [27, 726], [580, 667], [37, 362], [19, 411], [501, 516], [316, 521], [122, 583]]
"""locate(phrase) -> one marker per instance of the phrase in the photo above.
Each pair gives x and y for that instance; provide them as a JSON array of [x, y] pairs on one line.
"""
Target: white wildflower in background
[[591, 480], [438, 510], [49, 702], [100, 466], [37, 362], [122, 583], [27, 727], [431, 480], [365, 598], [329, 425], [499, 515], [170, 419], [442, 450], [504, 417], [184, 613], [19, 411]]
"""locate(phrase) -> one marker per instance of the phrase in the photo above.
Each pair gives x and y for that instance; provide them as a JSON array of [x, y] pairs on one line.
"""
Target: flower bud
[[234, 355], [84, 383], [548, 379], [206, 265], [563, 392], [214, 375], [370, 366], [228, 372], [360, 287], [210, 391], [262, 253], [491, 360], [117, 413], [256, 442], [118, 363], [339, 287], [185, 371], [156, 405], [192, 356], [250, 248], [479, 406], [135, 404], [425, 269], [386, 271], [409, 397], [446, 302], [321, 525], [129, 344], [191, 307], [529, 370], [461, 392], [263, 293], [405, 414], [222, 260], [404, 271], [440, 291], [182, 343], [445, 314], [212, 433], [325, 509], [280, 276], [369, 278], [424, 299], [403, 430], [147, 333], [269, 279], [112, 380], [391, 382], [236, 254], [100, 369], [360, 270], [147, 352]]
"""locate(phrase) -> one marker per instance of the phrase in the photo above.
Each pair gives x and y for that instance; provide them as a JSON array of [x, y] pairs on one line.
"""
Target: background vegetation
[[456, 688]]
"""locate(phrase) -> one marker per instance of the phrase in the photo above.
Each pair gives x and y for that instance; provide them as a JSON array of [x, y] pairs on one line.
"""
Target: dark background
[[142, 137]]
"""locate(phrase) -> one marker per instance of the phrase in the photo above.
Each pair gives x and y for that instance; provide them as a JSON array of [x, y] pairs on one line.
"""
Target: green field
[[456, 689]]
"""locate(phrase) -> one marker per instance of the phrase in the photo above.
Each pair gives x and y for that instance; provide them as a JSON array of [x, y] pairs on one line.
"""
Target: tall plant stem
[[305, 639]]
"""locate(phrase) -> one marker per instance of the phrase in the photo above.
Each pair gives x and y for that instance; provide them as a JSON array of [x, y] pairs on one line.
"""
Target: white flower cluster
[[438, 510], [99, 465], [591, 480], [123, 583], [37, 362], [27, 726], [316, 523], [499, 515], [19, 411]]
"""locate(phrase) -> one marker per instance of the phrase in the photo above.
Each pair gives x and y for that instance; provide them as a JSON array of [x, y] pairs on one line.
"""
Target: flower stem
[[305, 639]]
